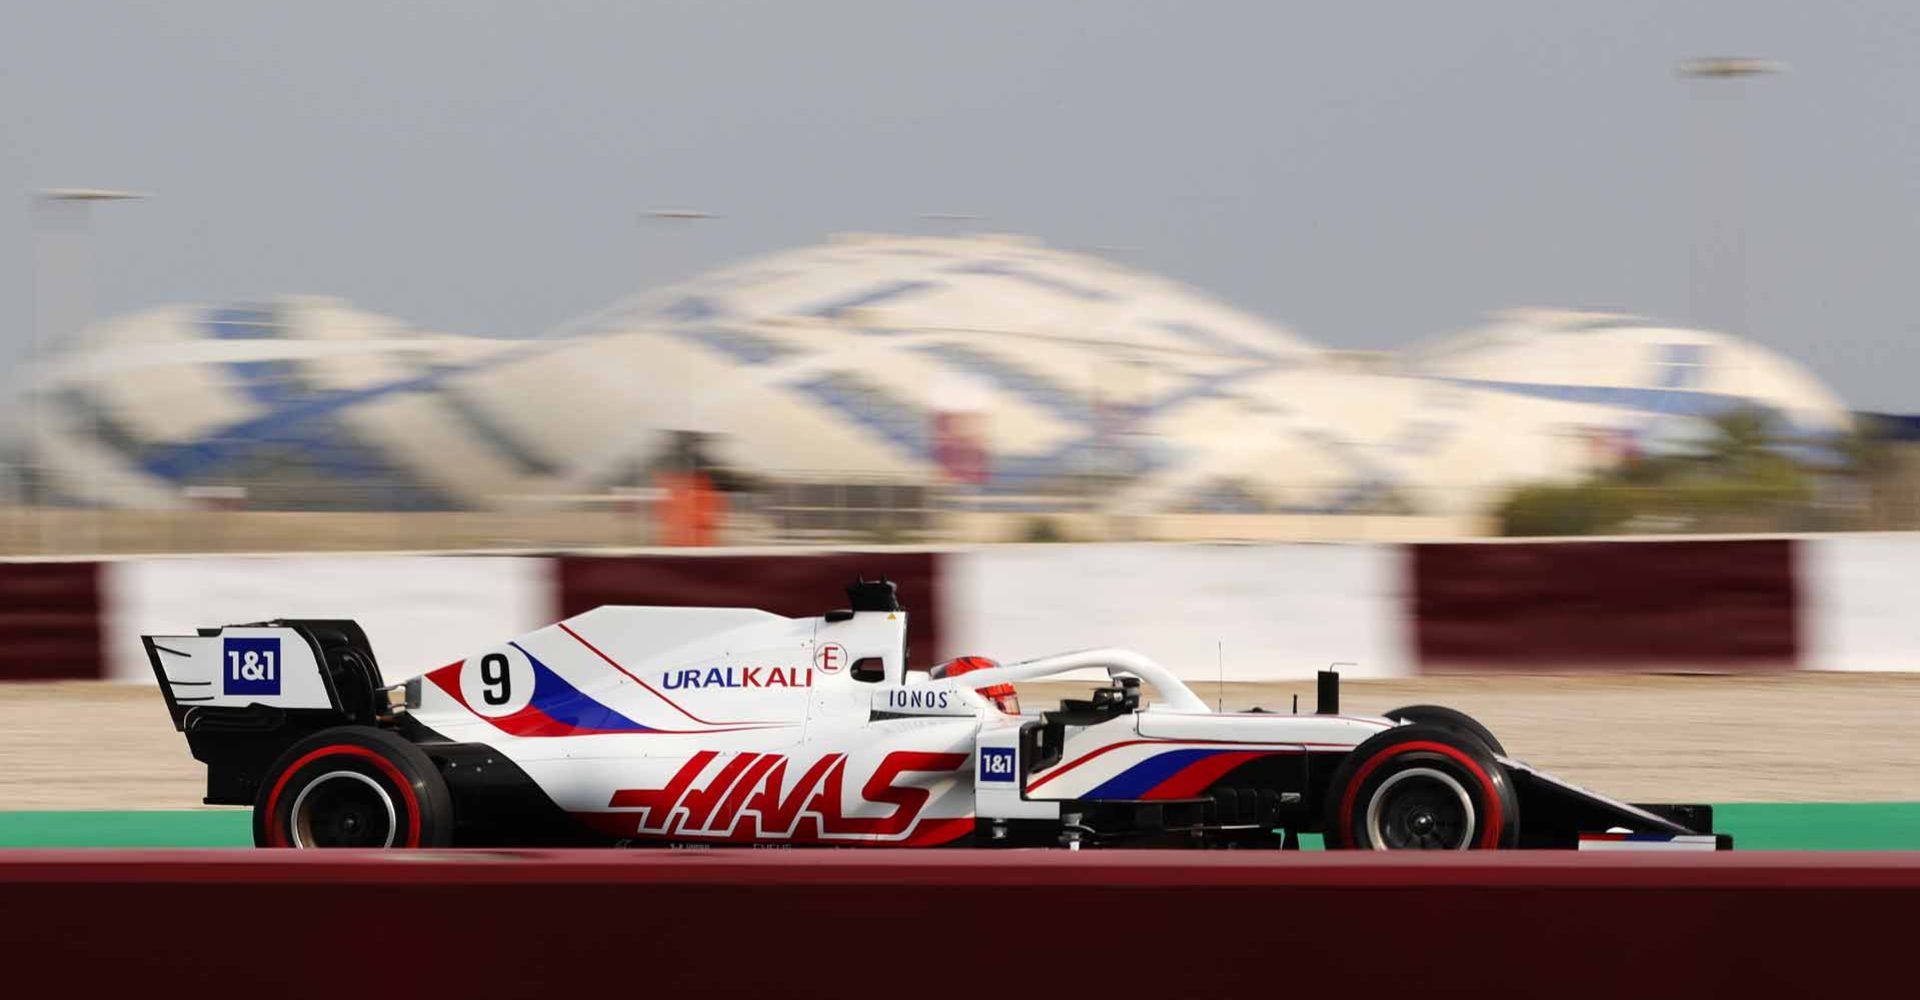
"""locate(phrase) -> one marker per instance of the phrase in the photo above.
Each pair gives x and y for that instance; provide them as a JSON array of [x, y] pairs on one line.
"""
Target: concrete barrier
[[420, 612], [797, 583], [1243, 612], [1858, 600], [959, 923]]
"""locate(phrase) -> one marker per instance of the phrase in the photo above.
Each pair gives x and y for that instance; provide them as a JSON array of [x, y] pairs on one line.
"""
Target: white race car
[[707, 726]]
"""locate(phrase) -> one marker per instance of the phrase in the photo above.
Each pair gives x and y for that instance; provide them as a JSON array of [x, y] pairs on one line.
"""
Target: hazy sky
[[1366, 174]]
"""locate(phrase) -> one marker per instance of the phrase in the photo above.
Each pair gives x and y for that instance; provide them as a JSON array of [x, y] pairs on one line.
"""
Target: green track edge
[[1756, 826]]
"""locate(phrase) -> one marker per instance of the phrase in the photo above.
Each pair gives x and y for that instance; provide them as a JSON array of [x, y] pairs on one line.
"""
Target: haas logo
[[750, 799]]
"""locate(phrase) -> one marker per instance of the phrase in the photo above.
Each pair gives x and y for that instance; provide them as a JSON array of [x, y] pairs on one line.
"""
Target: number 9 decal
[[498, 682]]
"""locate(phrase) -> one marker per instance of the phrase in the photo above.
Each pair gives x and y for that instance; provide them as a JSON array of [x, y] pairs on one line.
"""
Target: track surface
[[1804, 737]]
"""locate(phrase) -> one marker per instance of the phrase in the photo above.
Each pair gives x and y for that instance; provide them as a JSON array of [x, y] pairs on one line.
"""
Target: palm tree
[[1864, 451], [1743, 436]]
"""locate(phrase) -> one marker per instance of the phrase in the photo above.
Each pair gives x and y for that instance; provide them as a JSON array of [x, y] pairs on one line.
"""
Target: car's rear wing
[[244, 693], [237, 667]]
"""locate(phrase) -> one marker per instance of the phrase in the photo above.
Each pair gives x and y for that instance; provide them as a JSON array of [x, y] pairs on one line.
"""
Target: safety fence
[[1233, 612], [959, 923]]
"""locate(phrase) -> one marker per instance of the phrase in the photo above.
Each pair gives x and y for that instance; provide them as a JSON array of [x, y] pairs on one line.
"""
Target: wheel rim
[[1420, 809], [343, 809]]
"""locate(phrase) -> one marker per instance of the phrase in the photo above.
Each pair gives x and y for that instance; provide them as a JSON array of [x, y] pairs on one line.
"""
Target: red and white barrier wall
[[1247, 612]]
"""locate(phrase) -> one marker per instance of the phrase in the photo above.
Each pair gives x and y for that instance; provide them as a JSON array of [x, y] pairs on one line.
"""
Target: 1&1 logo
[[996, 764], [250, 665]]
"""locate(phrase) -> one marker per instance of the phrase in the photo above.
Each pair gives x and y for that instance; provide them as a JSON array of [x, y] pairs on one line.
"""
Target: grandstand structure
[[871, 359]]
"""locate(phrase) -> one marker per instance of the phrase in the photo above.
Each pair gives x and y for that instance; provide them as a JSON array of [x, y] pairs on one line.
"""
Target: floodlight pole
[[1721, 170], [43, 206]]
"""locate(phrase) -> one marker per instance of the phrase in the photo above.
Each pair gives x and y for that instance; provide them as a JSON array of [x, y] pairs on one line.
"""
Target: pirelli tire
[[1448, 718], [353, 786], [1421, 787]]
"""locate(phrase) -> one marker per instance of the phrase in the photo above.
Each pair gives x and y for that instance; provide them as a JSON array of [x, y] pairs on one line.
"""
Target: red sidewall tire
[[1464, 760], [404, 776], [1449, 718]]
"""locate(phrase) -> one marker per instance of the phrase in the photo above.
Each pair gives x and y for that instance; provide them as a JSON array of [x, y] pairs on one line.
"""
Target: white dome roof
[[840, 361], [826, 361], [976, 285], [836, 358], [144, 405], [1630, 363], [1537, 395]]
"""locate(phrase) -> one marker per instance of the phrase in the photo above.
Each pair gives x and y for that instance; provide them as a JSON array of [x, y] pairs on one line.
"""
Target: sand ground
[[1783, 738]]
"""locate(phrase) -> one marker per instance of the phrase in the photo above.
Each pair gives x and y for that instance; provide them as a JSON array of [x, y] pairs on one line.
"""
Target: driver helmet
[[1002, 696]]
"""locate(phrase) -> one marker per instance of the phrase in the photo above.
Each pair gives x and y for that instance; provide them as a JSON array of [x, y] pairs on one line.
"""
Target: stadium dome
[[991, 363], [842, 360], [1630, 364], [308, 401], [845, 357], [1536, 395], [1330, 439]]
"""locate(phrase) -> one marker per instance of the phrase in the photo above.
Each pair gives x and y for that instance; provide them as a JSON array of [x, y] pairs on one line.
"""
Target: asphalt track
[[1860, 826]]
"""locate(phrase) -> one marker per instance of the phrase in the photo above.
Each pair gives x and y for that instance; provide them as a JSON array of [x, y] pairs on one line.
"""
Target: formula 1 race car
[[694, 726]]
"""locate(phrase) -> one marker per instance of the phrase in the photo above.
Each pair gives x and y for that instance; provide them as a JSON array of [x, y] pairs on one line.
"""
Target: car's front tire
[[353, 786], [1421, 787], [1449, 718]]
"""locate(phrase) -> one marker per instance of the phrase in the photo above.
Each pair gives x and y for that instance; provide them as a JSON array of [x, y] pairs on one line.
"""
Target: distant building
[[994, 366]]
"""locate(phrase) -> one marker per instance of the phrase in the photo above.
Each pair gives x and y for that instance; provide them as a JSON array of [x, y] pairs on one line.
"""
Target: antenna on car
[[1220, 665]]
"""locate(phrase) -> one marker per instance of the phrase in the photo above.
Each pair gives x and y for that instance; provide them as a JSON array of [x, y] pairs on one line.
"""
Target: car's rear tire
[[353, 786], [1421, 787], [1447, 718]]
